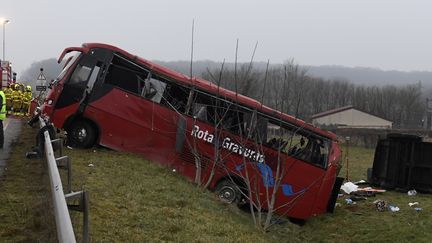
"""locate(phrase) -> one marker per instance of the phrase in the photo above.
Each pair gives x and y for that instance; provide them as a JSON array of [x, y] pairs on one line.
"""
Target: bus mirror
[[181, 134]]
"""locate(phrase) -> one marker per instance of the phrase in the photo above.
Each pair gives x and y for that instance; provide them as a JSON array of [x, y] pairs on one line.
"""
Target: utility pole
[[428, 114], [4, 36]]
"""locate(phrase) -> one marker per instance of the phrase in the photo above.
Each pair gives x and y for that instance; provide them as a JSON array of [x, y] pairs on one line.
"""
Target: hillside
[[356, 75], [134, 200]]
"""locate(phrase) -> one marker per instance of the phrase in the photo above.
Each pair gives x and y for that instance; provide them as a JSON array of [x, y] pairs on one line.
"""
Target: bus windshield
[[70, 60]]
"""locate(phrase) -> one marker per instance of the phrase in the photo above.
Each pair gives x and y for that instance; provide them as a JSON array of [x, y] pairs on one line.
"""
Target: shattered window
[[298, 143], [175, 96], [154, 88], [126, 75], [220, 113], [80, 75]]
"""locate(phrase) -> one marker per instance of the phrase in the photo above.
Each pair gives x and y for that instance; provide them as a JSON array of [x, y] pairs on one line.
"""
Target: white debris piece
[[360, 182], [349, 187], [90, 165], [394, 208], [412, 204], [412, 192]]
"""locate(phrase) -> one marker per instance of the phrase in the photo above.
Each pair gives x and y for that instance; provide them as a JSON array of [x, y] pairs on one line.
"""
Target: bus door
[[78, 88]]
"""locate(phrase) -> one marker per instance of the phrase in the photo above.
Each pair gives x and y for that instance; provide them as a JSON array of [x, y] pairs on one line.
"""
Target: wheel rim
[[227, 194], [81, 134]]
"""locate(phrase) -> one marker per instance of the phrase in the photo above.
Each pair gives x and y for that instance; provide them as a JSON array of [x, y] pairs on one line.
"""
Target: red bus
[[107, 96]]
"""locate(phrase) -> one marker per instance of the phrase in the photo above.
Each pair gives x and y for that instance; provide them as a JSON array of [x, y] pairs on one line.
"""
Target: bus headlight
[[49, 102]]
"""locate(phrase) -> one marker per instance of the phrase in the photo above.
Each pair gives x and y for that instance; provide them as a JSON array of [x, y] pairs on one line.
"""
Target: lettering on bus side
[[228, 144]]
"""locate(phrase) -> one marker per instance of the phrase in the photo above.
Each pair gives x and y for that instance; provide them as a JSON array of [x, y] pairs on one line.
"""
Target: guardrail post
[[65, 163], [83, 206], [58, 146], [86, 217]]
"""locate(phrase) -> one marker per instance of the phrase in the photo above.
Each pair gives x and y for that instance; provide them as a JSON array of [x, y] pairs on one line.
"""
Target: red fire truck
[[6, 73], [107, 96]]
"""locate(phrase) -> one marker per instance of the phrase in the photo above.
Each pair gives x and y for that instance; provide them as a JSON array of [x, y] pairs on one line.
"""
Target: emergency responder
[[8, 93], [27, 100], [17, 100], [2, 116]]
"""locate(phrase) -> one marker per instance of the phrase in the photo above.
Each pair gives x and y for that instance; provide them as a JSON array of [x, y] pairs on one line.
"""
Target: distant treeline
[[288, 88], [291, 89]]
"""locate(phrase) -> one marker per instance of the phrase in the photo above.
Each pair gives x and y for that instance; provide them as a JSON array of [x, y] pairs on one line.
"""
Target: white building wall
[[352, 118]]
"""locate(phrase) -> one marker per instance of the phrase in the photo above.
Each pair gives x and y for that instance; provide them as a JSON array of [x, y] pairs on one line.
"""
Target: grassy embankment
[[25, 206], [133, 200]]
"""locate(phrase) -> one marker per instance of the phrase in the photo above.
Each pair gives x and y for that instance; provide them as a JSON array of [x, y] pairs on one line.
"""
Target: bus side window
[[176, 97], [277, 136], [154, 88], [313, 150], [148, 90], [126, 75], [233, 118], [260, 133], [200, 112], [202, 108]]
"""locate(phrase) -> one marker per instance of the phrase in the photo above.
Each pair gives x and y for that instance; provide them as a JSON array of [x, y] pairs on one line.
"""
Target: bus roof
[[212, 88]]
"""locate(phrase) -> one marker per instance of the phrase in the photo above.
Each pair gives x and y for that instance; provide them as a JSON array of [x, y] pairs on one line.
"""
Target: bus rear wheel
[[82, 134], [228, 192]]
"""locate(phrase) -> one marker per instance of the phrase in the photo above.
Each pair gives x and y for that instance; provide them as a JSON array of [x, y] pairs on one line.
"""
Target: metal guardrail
[[65, 231]]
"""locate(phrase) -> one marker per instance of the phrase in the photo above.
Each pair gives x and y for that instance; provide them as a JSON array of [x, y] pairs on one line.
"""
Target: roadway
[[12, 129]]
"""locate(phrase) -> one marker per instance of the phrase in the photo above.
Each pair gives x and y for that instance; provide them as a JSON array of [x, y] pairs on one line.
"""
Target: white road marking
[[5, 125]]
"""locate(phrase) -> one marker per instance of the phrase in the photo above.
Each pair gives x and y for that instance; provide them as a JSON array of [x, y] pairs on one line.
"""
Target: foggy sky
[[385, 34]]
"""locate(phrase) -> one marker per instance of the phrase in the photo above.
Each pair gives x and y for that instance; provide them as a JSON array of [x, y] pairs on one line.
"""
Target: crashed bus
[[107, 96]]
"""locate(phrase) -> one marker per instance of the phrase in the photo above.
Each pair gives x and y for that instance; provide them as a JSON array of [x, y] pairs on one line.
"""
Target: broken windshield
[[70, 60]]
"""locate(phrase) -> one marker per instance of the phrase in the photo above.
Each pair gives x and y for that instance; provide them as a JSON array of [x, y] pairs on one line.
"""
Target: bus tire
[[82, 134], [228, 192]]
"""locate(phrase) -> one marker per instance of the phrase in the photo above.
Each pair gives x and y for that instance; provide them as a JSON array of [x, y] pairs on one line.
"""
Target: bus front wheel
[[228, 192], [82, 134]]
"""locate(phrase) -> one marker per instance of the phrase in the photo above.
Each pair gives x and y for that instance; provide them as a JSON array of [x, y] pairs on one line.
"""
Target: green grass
[[25, 206], [134, 200]]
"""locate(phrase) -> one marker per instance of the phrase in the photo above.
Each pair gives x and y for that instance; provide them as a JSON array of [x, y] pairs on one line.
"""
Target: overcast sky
[[386, 34]]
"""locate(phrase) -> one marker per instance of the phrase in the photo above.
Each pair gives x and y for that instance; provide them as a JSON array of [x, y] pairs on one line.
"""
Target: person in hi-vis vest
[[2, 116]]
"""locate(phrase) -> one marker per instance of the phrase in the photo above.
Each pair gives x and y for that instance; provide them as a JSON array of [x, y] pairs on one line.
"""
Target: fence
[[65, 231]]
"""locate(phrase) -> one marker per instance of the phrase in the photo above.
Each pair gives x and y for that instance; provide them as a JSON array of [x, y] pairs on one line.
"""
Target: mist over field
[[356, 75]]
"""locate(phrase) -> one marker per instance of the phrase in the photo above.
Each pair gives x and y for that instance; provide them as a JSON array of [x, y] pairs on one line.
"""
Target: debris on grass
[[413, 203], [394, 208], [412, 192], [349, 187], [364, 194], [370, 189], [357, 198], [381, 205], [360, 182], [349, 201]]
